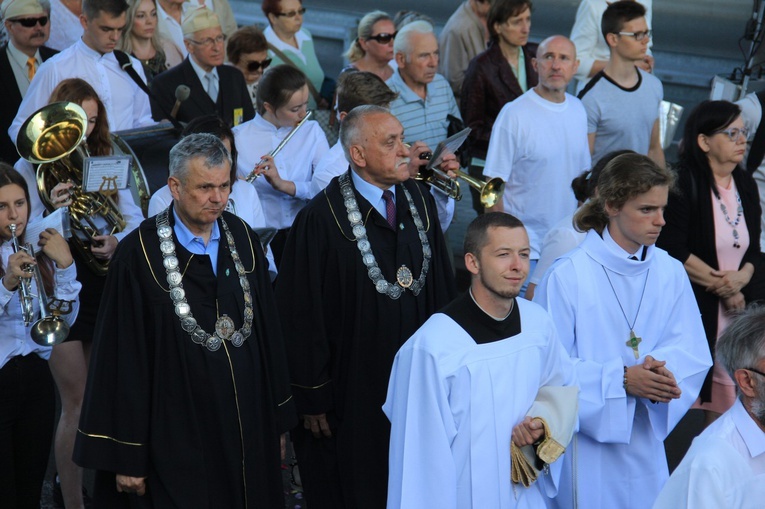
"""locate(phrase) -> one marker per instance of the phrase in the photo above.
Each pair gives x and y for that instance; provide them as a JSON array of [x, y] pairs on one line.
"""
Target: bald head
[[558, 41], [556, 64]]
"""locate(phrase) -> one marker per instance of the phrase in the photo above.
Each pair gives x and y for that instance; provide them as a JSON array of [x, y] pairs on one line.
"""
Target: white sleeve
[[159, 201], [37, 96], [584, 35], [422, 472], [501, 152], [556, 243], [606, 414], [130, 212], [445, 207]]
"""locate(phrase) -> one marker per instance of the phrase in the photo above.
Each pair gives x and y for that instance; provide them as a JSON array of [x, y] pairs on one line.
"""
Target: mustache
[[403, 160]]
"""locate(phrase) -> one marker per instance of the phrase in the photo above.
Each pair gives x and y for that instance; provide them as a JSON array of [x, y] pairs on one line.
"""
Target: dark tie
[[390, 208]]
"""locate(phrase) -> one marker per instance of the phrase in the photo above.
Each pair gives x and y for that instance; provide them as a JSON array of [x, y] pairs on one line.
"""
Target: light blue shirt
[[372, 193], [423, 119], [196, 245]]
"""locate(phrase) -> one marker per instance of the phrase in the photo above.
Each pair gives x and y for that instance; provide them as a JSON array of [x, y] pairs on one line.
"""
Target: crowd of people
[[284, 288]]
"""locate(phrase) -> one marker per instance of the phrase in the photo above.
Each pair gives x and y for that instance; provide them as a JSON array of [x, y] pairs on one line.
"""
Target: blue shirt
[[196, 245], [423, 119], [372, 193]]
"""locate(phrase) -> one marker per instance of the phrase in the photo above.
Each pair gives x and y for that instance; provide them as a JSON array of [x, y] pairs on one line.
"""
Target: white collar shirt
[[300, 37], [127, 106], [171, 29]]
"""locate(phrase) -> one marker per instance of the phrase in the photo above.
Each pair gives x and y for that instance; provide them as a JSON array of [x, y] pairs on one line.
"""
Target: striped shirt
[[423, 119]]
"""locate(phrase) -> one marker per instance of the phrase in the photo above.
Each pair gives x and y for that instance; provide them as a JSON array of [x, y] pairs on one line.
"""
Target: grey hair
[[352, 124], [197, 145], [363, 32], [742, 345], [403, 41]]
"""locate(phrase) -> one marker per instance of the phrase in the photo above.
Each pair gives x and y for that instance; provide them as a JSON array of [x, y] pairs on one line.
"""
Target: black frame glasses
[[383, 38], [291, 14], [755, 371], [254, 65], [31, 22], [639, 36]]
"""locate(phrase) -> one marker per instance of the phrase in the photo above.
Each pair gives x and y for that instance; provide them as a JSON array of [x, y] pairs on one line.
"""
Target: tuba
[[53, 139]]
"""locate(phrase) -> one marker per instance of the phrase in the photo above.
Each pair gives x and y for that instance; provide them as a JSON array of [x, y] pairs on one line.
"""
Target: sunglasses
[[291, 14], [31, 22], [255, 65], [382, 38]]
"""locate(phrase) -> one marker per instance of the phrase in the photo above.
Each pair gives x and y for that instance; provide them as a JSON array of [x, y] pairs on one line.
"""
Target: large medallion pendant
[[404, 276], [224, 327]]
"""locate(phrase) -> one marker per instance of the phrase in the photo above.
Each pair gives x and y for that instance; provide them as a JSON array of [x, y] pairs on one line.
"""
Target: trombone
[[50, 329]]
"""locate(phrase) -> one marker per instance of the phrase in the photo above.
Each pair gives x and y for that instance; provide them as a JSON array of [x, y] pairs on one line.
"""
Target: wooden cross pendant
[[633, 343]]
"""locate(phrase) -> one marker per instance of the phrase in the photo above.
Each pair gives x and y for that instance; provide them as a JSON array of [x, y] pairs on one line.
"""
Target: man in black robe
[[361, 272], [188, 391]]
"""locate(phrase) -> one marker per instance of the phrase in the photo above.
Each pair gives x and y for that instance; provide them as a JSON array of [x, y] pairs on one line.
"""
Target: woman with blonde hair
[[143, 40], [372, 50]]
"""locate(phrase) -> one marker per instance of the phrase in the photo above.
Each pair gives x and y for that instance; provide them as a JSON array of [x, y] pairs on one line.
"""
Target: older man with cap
[[28, 27], [216, 89], [93, 59]]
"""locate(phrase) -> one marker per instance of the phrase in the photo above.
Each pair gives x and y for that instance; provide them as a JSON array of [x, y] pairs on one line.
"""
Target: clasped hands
[[652, 380], [728, 284]]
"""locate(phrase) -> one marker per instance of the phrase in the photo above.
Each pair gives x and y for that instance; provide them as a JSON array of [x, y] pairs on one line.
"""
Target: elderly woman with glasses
[[289, 43], [713, 228], [247, 50], [372, 50]]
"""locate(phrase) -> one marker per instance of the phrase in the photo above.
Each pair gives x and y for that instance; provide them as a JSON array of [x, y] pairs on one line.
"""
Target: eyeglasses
[[255, 65], [210, 42], [755, 371], [291, 14], [382, 38], [734, 132], [639, 36], [31, 22]]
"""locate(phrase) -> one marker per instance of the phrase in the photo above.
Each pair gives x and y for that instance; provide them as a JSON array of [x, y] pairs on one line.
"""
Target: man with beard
[[467, 377], [725, 466], [27, 23]]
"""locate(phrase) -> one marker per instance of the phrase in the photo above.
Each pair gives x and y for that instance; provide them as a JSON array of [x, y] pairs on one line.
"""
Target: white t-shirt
[[538, 147], [127, 106]]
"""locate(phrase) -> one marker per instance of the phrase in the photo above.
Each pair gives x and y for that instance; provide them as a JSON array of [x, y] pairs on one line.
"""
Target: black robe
[[202, 426], [342, 335]]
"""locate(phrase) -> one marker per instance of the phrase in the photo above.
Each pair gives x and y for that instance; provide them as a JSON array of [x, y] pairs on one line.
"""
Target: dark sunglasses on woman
[[255, 65]]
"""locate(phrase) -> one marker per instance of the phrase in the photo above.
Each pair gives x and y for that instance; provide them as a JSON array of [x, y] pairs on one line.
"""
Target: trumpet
[[252, 176], [50, 329], [490, 191]]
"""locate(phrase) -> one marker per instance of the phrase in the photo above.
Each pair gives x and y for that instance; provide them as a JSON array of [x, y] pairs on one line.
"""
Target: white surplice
[[617, 459], [453, 404]]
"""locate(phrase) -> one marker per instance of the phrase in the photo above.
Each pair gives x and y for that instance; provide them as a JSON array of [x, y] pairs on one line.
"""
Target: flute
[[252, 176]]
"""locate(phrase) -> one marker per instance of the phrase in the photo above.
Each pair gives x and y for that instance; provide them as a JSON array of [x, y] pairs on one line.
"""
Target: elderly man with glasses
[[725, 466], [26, 22], [215, 89]]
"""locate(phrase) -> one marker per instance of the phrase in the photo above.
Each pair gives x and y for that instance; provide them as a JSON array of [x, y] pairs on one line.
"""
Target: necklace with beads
[[404, 278], [224, 325], [735, 222]]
